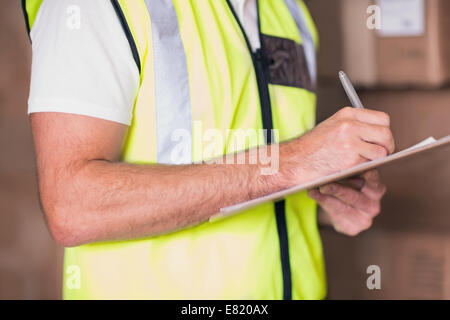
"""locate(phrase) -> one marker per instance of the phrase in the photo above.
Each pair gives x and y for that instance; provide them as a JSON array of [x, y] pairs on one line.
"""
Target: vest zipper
[[261, 70], [259, 60]]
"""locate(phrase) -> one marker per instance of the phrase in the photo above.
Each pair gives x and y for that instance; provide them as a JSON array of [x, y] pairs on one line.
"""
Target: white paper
[[402, 18], [423, 143]]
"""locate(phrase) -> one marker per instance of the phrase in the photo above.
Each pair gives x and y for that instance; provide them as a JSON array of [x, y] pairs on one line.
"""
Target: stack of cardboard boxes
[[402, 69], [412, 265], [385, 43]]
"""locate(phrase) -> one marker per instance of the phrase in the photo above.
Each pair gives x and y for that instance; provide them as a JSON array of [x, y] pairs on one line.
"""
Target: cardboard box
[[417, 189], [412, 264], [372, 59], [410, 238], [417, 60], [359, 50], [420, 264]]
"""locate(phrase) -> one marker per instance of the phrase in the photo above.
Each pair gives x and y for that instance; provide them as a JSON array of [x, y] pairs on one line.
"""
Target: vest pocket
[[287, 63]]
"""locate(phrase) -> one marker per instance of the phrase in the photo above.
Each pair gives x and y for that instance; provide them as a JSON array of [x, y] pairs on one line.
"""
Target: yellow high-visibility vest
[[197, 72]]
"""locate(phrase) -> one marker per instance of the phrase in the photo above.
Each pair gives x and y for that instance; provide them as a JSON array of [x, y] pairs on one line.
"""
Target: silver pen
[[350, 90]]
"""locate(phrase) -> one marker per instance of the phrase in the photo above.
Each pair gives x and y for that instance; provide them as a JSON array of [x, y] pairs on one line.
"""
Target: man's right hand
[[349, 137]]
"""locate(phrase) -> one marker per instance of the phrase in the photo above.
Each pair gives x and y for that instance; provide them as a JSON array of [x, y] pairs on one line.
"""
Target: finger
[[372, 177], [373, 187], [333, 206], [345, 218], [354, 182], [376, 134], [352, 197], [369, 116], [371, 151]]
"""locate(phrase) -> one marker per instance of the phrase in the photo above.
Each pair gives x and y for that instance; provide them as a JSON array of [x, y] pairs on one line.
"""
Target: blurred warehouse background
[[29, 259], [403, 70]]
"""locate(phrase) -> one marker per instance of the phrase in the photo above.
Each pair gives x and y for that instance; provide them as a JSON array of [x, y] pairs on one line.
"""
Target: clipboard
[[423, 146]]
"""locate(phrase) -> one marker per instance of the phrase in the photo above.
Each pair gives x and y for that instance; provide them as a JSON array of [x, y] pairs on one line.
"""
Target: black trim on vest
[[128, 34], [280, 213], [260, 63], [27, 19]]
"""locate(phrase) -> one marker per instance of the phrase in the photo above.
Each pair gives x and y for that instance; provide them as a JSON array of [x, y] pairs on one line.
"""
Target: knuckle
[[381, 152], [346, 112], [345, 127], [383, 190], [375, 208], [386, 132], [340, 225], [347, 145], [346, 229], [386, 118], [354, 159], [363, 225], [353, 232], [338, 228], [390, 136], [367, 223], [379, 193]]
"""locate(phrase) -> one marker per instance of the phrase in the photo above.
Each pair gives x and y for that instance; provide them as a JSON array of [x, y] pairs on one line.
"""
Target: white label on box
[[402, 18]]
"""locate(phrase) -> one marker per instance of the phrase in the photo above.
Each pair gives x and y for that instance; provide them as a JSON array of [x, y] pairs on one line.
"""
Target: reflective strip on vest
[[307, 40], [172, 97]]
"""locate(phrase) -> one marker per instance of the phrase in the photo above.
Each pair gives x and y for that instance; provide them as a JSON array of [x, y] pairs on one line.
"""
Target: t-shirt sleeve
[[82, 62]]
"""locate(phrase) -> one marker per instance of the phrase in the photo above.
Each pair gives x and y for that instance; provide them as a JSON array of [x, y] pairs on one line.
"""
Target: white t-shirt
[[247, 13], [82, 62]]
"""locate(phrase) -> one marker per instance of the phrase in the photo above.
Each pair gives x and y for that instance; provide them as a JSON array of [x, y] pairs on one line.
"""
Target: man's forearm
[[101, 200]]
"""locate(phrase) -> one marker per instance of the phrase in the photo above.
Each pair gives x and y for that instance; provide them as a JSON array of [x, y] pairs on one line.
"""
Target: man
[[115, 87]]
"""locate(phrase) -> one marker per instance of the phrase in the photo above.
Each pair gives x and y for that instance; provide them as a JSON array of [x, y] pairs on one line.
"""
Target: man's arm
[[88, 196]]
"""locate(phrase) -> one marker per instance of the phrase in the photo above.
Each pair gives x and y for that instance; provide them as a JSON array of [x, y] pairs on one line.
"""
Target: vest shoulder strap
[[124, 12], [129, 12], [30, 10]]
